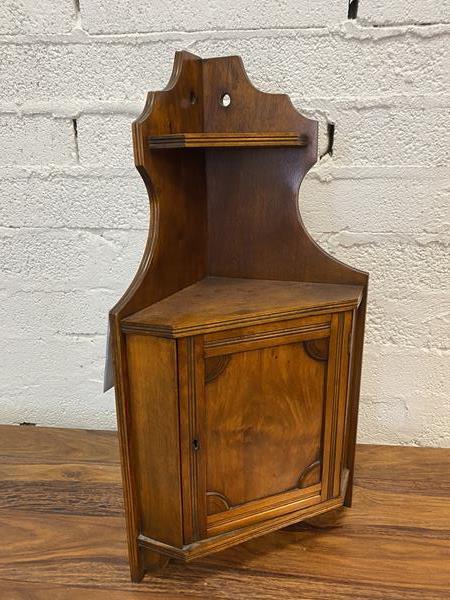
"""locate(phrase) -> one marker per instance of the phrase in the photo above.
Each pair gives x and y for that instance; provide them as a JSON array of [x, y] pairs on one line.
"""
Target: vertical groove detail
[[193, 433], [335, 404]]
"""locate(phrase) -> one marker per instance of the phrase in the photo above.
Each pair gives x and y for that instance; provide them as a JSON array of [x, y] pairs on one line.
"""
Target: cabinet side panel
[[153, 398]]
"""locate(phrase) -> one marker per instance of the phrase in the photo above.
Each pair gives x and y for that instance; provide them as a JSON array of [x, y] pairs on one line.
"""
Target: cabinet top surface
[[217, 303]]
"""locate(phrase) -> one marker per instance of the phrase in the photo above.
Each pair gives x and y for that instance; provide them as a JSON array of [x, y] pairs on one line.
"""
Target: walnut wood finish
[[62, 531], [238, 346], [216, 303], [210, 140], [153, 409], [245, 415]]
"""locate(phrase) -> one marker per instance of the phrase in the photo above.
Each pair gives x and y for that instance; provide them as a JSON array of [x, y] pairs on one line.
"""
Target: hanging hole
[[193, 98], [225, 100]]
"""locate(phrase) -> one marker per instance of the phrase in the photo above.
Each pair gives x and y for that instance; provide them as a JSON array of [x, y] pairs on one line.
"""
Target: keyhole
[[225, 100], [195, 444]]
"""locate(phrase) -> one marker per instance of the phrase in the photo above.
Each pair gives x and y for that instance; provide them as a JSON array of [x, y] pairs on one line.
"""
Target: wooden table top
[[62, 531]]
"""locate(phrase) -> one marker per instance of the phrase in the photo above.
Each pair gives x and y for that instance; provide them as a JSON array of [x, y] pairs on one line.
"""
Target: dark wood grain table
[[62, 531]]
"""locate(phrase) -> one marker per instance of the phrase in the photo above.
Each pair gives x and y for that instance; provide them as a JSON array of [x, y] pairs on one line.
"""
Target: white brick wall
[[74, 211], [35, 140], [30, 16], [128, 16], [402, 11]]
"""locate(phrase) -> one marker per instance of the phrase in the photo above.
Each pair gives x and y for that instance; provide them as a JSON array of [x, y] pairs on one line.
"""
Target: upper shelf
[[225, 140]]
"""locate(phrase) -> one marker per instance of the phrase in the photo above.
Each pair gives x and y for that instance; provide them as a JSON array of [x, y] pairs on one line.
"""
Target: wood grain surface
[[281, 397], [222, 163], [212, 140], [154, 434], [62, 531], [216, 303]]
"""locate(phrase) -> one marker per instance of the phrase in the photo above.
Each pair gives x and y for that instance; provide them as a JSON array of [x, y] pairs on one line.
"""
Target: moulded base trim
[[224, 540]]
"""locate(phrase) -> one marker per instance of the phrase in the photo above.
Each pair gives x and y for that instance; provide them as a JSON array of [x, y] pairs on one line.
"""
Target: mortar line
[[341, 29]]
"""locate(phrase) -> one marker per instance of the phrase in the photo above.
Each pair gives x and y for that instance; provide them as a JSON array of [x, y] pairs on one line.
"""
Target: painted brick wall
[[73, 212]]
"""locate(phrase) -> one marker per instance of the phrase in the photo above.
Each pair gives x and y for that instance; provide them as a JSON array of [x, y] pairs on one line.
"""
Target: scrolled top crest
[[215, 95]]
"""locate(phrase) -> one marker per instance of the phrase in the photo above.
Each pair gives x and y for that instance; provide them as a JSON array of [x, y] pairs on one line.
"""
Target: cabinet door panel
[[264, 419], [262, 423]]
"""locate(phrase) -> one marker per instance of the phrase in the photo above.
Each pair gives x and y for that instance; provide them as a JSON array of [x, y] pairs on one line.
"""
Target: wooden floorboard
[[62, 531]]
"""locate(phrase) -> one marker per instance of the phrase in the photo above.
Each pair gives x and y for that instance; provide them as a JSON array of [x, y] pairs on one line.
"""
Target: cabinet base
[[327, 520], [225, 540]]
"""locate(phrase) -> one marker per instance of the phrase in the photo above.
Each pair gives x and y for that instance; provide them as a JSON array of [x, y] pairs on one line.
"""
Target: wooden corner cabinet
[[237, 348]]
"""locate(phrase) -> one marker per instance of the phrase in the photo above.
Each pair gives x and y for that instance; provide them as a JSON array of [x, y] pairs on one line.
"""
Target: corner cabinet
[[237, 348]]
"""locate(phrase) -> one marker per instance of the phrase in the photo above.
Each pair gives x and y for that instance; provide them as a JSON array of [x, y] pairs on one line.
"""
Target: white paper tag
[[108, 374]]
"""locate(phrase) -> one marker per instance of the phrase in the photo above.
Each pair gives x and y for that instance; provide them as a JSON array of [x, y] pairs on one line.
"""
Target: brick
[[339, 63], [65, 259], [100, 16], [29, 16], [421, 320], [416, 372], [396, 421], [388, 136], [70, 72], [389, 205], [411, 410], [60, 383], [36, 314], [75, 202], [106, 139], [386, 12], [314, 63], [399, 266], [36, 140]]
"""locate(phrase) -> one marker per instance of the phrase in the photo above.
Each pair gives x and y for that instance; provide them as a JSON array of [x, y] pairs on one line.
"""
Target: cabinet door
[[268, 423]]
